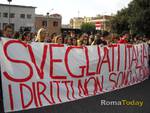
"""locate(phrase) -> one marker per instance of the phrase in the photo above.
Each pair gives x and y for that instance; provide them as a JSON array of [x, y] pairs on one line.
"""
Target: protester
[[33, 36], [41, 35], [74, 41], [91, 39], [52, 37], [84, 40], [8, 32], [69, 42], [65, 40], [58, 39], [97, 40], [123, 40], [72, 34], [103, 38], [26, 37], [104, 42], [79, 41], [48, 38]]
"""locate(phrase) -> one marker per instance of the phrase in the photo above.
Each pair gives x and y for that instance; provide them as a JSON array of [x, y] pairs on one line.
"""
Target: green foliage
[[134, 19], [87, 27], [119, 23]]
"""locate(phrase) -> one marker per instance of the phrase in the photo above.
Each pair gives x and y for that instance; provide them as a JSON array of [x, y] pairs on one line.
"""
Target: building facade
[[50, 22], [21, 17], [100, 22], [76, 22]]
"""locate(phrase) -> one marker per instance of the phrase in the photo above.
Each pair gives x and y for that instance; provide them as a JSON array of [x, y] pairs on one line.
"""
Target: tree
[[88, 27], [119, 23], [134, 19], [140, 16]]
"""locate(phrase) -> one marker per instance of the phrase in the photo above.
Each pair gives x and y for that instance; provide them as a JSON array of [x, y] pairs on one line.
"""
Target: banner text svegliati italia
[[40, 74]]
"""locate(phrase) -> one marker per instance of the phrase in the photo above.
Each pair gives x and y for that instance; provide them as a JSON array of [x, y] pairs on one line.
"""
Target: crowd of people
[[83, 39], [73, 39]]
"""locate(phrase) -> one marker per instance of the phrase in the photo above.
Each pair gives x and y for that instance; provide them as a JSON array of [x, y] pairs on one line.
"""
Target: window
[[22, 16], [55, 24], [28, 16], [12, 15], [5, 15]]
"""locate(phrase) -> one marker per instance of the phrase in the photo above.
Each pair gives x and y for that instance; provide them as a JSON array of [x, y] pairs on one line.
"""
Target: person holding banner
[[74, 41], [41, 35], [69, 41], [97, 40], [84, 40], [7, 32], [26, 37]]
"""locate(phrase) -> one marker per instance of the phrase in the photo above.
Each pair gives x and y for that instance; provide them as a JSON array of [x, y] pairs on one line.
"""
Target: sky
[[73, 8]]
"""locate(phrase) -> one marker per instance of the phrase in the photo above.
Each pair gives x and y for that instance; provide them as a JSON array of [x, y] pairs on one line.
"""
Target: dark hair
[[7, 26], [98, 41], [73, 38], [53, 35], [24, 35], [104, 34]]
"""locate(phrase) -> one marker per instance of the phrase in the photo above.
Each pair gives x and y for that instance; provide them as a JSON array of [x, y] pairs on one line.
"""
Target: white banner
[[40, 74]]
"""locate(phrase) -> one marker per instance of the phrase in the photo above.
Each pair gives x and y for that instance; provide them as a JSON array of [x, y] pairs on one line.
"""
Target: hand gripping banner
[[41, 74]]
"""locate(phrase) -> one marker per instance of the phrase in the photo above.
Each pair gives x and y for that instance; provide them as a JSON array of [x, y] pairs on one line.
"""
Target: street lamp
[[48, 14], [47, 19], [9, 11]]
